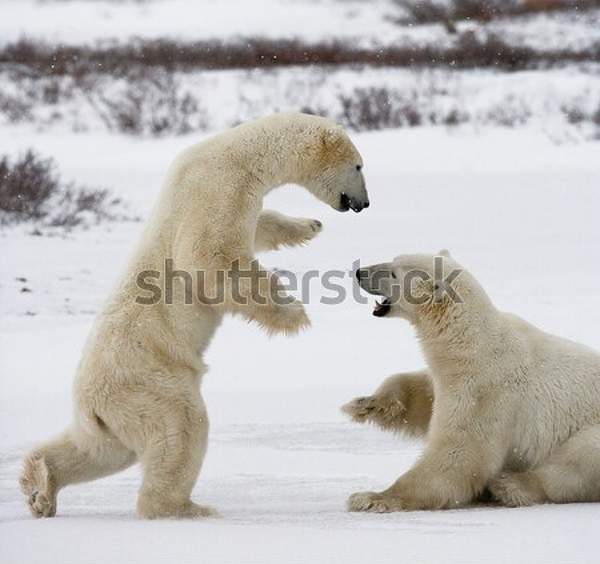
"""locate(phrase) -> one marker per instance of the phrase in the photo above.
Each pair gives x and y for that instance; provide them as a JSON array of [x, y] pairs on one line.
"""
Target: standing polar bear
[[503, 405], [137, 395]]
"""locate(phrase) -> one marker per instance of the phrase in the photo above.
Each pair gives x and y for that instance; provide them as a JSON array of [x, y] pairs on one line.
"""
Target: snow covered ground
[[517, 209], [364, 23]]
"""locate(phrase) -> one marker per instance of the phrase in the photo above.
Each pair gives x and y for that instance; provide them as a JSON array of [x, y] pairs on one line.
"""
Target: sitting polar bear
[[137, 394], [505, 407]]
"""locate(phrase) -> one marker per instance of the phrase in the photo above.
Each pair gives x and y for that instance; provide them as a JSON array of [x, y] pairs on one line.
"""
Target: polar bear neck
[[277, 150], [452, 331], [456, 358]]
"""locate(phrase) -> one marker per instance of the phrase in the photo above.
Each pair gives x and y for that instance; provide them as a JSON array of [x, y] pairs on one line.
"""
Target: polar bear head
[[324, 160], [424, 289], [338, 179]]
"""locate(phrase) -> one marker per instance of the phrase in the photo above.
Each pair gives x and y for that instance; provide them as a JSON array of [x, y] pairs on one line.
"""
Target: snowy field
[[502, 168], [518, 210], [363, 22]]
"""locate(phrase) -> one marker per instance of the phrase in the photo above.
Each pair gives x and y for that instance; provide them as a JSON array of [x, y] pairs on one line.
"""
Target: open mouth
[[349, 203], [344, 203], [382, 308]]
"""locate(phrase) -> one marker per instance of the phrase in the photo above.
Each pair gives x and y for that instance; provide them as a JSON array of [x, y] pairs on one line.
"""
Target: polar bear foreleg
[[452, 472], [258, 295], [275, 230], [570, 474], [233, 281], [403, 403]]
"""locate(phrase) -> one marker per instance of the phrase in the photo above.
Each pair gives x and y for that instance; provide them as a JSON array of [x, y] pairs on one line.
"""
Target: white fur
[[515, 410], [137, 389]]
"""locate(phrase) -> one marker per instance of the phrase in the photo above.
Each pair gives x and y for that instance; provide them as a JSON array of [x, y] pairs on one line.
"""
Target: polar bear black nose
[[361, 274], [366, 204]]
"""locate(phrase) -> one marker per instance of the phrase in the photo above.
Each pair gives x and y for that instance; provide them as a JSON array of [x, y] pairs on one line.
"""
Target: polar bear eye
[[358, 167]]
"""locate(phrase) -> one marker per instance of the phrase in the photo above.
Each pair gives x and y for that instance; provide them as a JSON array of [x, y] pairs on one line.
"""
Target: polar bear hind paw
[[150, 507], [36, 484], [193, 510]]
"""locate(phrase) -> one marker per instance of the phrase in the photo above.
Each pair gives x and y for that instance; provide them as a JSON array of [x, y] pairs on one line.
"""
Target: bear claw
[[371, 502]]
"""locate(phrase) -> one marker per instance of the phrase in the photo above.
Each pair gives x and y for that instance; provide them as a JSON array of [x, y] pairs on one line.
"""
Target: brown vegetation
[[432, 11], [32, 191], [468, 51]]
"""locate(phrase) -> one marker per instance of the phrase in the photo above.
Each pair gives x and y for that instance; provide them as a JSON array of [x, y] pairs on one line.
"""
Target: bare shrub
[[484, 10], [596, 116], [582, 110], [384, 108], [452, 117], [438, 11], [509, 112], [378, 108], [83, 206], [16, 108], [32, 191], [26, 186], [120, 60], [150, 102], [21, 92], [423, 12], [574, 114]]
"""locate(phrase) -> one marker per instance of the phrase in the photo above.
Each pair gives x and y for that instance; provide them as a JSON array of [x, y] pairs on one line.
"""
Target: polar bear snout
[[360, 274], [340, 183], [351, 203], [378, 280]]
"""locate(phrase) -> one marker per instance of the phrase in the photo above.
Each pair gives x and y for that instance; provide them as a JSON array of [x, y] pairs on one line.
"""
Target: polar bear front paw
[[383, 410], [288, 318], [302, 230], [315, 225], [517, 489], [373, 502], [275, 230]]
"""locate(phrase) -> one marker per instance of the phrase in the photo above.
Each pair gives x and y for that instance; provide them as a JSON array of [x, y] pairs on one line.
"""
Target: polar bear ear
[[444, 253]]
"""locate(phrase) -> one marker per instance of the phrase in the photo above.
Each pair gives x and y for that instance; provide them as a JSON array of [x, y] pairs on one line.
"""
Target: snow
[[77, 22], [371, 23], [554, 30], [517, 209]]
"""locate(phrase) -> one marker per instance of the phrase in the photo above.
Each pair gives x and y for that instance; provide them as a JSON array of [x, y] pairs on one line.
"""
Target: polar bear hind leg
[[68, 459], [171, 455], [570, 474]]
